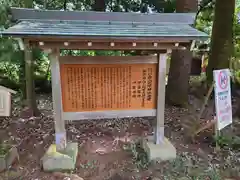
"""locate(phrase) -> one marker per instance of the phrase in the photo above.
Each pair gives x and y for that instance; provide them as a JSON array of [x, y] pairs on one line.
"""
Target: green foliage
[[185, 168], [9, 53], [12, 59], [225, 141], [139, 155], [204, 23], [4, 148]]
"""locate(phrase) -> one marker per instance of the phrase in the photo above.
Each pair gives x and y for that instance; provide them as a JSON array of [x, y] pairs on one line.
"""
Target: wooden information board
[[100, 87]]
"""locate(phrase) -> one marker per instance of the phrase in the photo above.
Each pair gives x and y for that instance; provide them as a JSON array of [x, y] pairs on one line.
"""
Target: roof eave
[[72, 37]]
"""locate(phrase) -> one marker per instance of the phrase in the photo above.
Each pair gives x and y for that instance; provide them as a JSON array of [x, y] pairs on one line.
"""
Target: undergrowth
[[140, 158], [4, 149], [181, 169], [232, 142]]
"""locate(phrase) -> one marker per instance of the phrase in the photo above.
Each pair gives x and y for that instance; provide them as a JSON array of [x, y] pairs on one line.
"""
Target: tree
[[99, 5], [180, 66], [221, 47]]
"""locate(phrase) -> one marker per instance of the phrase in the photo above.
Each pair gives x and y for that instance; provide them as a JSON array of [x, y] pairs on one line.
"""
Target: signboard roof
[[44, 23], [7, 90]]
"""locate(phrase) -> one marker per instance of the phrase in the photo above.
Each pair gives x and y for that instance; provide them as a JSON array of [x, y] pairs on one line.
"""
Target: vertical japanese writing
[[108, 87], [130, 85], [75, 83], [117, 87], [95, 87], [72, 84], [78, 88], [101, 88], [104, 88], [98, 89], [82, 88], [86, 87], [126, 87], [111, 84], [144, 73], [114, 86], [89, 88], [149, 85], [120, 88], [139, 89], [92, 88], [68, 83]]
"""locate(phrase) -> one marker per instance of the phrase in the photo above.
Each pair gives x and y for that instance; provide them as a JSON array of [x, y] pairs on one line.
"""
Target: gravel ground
[[103, 144]]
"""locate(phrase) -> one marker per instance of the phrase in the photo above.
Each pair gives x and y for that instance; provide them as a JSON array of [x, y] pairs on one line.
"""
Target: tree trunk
[[65, 5], [177, 88], [222, 37], [45, 3], [99, 5], [28, 3], [186, 6], [22, 76], [180, 66]]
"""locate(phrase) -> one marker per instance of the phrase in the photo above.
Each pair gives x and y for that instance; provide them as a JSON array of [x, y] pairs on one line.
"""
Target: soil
[[103, 143]]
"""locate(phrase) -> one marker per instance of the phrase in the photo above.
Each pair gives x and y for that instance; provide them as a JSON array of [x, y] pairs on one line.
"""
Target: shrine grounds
[[108, 149]]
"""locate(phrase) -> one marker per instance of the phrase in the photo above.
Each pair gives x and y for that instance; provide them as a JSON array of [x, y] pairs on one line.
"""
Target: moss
[[4, 149]]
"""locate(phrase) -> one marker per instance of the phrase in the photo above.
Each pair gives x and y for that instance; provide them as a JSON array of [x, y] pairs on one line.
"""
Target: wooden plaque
[[100, 87]]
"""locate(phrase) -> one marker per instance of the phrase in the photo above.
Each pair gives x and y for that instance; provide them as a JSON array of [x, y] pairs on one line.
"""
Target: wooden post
[[30, 87], [60, 132], [159, 131]]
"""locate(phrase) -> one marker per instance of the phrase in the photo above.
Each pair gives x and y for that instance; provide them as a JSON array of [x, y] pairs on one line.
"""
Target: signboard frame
[[101, 60]]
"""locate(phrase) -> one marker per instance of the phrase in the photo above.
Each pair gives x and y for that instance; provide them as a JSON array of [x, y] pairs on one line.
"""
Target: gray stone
[[56, 161], [6, 160], [60, 175], [155, 152]]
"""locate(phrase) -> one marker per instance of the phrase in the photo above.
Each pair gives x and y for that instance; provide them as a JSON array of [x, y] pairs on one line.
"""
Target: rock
[[75, 177], [155, 178], [59, 174], [116, 177], [67, 176], [7, 159], [184, 178]]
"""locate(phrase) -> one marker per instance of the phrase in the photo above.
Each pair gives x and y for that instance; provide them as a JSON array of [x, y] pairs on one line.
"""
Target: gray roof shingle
[[59, 24], [102, 29]]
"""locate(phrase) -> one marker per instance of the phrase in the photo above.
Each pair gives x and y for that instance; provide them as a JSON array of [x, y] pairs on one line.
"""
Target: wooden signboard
[[104, 87], [5, 101]]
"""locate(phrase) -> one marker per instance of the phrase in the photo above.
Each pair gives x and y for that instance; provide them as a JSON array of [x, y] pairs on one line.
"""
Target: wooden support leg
[[30, 87], [159, 129], [60, 132]]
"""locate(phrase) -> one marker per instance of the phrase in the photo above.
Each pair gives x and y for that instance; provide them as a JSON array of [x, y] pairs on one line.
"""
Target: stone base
[[56, 161], [155, 152]]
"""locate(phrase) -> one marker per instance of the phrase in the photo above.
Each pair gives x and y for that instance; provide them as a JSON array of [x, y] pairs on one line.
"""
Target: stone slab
[[8, 159], [56, 161], [156, 152]]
